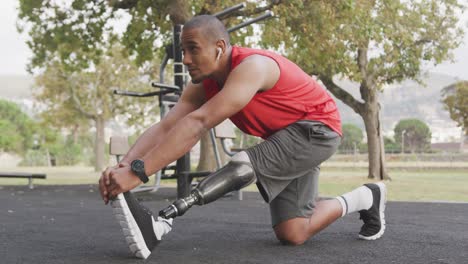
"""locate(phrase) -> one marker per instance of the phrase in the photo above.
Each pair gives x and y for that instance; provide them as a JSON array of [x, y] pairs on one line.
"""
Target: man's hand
[[121, 180], [104, 182], [115, 180]]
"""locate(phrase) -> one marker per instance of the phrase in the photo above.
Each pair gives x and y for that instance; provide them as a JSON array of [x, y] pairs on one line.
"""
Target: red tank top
[[296, 96]]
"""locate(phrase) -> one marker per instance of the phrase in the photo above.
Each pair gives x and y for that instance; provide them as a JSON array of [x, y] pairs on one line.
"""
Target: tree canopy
[[373, 43], [72, 50], [84, 98], [455, 99], [17, 128], [352, 137], [413, 135], [76, 32]]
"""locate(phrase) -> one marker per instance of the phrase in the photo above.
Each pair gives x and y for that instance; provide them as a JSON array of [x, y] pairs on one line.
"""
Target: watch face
[[138, 166]]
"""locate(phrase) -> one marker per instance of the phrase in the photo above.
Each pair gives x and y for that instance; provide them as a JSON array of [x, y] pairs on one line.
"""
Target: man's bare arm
[[191, 99], [249, 77]]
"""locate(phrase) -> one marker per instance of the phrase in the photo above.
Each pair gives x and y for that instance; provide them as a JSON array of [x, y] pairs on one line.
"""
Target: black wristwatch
[[138, 167]]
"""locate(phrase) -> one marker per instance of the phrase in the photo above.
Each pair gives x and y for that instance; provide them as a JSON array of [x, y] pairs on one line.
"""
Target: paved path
[[70, 224]]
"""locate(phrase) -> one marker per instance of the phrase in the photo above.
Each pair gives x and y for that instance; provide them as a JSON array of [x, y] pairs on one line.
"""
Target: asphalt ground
[[70, 224]]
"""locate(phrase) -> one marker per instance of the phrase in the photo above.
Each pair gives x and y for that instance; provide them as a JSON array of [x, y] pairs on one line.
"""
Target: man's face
[[199, 54]]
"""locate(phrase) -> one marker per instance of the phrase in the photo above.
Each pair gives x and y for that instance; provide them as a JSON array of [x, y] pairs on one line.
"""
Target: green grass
[[413, 184], [406, 185]]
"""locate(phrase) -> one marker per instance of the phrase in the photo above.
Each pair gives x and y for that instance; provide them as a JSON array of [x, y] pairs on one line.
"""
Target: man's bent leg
[[369, 200], [296, 231], [235, 175]]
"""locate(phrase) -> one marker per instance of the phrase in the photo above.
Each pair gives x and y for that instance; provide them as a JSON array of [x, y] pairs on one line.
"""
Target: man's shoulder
[[242, 54], [239, 50]]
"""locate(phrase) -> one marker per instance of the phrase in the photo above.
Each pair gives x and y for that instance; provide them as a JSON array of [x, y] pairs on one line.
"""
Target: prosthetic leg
[[237, 174]]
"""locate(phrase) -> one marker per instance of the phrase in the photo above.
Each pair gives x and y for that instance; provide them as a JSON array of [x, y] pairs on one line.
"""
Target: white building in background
[[444, 132]]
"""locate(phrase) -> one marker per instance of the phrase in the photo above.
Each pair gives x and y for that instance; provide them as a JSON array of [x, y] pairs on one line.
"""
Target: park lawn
[[406, 184]]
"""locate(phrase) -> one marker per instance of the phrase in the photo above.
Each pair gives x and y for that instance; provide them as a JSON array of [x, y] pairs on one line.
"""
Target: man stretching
[[264, 95]]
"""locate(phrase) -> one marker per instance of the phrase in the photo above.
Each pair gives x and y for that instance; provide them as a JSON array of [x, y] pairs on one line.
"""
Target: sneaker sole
[[383, 201], [132, 233]]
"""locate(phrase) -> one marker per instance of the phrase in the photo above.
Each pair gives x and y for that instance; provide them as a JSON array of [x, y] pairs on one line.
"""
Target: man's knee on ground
[[291, 232], [291, 239]]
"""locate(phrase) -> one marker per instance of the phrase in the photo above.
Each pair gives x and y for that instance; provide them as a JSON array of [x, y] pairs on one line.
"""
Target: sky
[[15, 54]]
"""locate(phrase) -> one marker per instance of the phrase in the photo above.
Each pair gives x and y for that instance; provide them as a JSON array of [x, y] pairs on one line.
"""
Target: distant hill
[[408, 100]]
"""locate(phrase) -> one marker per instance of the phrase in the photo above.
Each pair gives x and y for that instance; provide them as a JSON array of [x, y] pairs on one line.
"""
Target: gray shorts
[[287, 167]]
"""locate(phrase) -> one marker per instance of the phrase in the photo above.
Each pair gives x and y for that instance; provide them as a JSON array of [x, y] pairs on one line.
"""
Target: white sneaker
[[142, 232]]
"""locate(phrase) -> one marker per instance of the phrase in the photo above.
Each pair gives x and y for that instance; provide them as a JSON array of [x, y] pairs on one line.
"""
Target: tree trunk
[[179, 11], [49, 163], [207, 160], [376, 151], [462, 140], [75, 133], [369, 111], [99, 144]]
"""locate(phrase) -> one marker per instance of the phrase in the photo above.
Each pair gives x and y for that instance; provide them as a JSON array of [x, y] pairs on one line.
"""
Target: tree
[[76, 31], [17, 128], [391, 146], [74, 34], [373, 43], [352, 137], [10, 140], [79, 98], [455, 99], [53, 147], [413, 135]]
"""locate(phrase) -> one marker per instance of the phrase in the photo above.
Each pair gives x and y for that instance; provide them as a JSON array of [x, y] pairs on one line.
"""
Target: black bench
[[30, 176]]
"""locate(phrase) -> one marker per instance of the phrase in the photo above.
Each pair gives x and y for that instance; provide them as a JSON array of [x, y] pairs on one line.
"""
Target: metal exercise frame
[[168, 92]]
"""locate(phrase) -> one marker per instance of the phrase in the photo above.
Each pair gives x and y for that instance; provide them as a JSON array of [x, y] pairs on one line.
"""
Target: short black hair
[[212, 27]]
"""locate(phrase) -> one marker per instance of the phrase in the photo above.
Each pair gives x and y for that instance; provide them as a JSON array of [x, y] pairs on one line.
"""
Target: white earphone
[[220, 52]]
